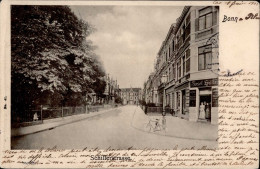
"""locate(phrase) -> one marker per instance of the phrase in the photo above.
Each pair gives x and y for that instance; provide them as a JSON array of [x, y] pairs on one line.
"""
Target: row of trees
[[53, 61]]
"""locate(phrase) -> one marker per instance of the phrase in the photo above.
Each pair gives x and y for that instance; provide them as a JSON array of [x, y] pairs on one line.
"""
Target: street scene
[[114, 76], [120, 128]]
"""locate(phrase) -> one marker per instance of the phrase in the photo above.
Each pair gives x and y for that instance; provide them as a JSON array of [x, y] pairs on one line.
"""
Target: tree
[[53, 62], [118, 99], [142, 102]]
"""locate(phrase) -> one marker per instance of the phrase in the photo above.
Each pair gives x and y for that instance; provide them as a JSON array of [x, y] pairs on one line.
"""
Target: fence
[[154, 109], [95, 108], [167, 110], [33, 117]]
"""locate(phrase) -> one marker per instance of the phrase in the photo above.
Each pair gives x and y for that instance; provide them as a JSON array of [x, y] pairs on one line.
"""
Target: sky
[[128, 38]]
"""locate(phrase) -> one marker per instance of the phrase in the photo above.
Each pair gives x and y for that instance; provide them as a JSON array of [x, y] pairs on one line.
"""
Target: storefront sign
[[204, 83], [192, 98], [215, 97]]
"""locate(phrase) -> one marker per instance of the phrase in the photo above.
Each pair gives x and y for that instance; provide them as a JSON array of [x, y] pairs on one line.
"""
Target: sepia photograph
[[114, 76]]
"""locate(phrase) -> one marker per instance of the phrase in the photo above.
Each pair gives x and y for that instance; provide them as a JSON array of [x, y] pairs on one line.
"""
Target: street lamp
[[164, 80]]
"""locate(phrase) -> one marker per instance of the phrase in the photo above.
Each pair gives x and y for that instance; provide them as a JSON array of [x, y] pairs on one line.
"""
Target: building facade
[[131, 96], [148, 90], [186, 69]]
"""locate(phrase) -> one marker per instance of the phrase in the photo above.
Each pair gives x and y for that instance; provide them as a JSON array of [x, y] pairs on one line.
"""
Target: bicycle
[[149, 127]]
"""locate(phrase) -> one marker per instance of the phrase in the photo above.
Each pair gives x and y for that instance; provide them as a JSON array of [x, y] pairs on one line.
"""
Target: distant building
[[148, 91], [131, 95]]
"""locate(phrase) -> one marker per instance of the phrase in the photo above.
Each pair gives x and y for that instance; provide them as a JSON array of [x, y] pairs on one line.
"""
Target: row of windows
[[205, 20], [136, 94], [131, 98], [182, 66]]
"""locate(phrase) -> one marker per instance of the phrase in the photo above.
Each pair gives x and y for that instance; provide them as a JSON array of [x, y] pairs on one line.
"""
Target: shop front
[[160, 95], [182, 100], [170, 96], [203, 104]]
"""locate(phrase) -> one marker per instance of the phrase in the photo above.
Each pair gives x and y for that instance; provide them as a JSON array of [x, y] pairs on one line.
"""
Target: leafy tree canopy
[[51, 53]]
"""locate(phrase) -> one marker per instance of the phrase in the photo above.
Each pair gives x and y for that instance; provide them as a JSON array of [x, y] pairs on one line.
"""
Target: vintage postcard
[[129, 84]]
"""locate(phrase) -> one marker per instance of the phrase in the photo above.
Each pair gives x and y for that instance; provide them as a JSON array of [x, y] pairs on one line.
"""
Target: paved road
[[112, 128]]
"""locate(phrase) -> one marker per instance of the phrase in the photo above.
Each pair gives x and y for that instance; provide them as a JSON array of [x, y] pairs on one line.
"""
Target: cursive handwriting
[[235, 3], [232, 74], [252, 16]]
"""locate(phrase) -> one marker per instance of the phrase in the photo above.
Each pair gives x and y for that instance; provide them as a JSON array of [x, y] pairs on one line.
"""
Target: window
[[188, 61], [172, 100], [166, 76], [188, 65], [187, 19], [180, 38], [187, 31], [168, 99], [173, 68], [169, 73], [183, 101], [183, 65], [172, 72], [205, 57], [183, 33], [178, 99], [205, 18], [179, 68]]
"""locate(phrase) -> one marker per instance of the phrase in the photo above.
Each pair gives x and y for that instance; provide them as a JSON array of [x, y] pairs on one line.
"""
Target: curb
[[173, 136], [17, 132]]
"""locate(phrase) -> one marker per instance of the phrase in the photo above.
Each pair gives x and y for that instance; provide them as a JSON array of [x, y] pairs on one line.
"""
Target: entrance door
[[183, 101], [206, 100]]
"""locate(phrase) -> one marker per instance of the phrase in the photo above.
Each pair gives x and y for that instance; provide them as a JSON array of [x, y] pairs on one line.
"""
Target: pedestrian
[[202, 111], [207, 110], [156, 127], [35, 117]]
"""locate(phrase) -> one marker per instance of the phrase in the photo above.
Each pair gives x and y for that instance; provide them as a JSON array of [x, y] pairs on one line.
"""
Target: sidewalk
[[176, 127], [51, 123]]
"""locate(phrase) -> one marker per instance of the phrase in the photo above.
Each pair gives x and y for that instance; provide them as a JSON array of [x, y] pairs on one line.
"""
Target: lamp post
[[164, 80]]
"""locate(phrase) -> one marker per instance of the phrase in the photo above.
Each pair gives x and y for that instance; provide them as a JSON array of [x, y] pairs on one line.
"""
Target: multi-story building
[[148, 89], [185, 73], [131, 95]]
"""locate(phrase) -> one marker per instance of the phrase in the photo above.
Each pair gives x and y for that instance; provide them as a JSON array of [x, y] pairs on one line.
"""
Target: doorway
[[183, 101], [206, 99]]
